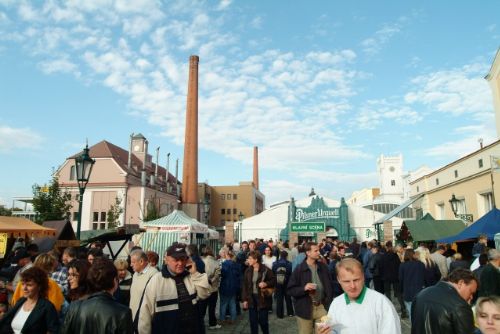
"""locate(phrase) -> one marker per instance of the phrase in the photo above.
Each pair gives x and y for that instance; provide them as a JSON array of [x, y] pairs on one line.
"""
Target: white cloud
[[27, 13], [374, 44], [457, 91], [61, 65], [256, 22], [18, 138], [376, 112], [224, 4]]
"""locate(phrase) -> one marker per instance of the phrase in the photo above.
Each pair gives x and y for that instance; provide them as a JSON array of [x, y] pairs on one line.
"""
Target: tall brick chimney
[[190, 164], [256, 167]]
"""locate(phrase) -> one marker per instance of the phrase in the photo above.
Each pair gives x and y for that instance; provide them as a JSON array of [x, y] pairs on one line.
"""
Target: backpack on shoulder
[[281, 275]]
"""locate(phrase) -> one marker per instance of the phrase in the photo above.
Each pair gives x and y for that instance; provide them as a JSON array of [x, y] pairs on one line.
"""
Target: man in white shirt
[[142, 273], [359, 309]]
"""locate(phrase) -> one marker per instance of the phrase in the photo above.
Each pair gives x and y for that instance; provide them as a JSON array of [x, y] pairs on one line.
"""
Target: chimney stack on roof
[[256, 167], [190, 165]]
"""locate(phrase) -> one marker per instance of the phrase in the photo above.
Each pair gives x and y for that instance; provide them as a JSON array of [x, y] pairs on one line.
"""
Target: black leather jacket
[[98, 314], [439, 309]]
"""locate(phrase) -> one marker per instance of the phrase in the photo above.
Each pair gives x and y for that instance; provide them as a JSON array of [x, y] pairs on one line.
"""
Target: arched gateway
[[317, 221]]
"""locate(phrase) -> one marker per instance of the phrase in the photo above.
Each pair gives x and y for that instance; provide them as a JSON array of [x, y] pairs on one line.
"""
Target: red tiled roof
[[105, 149]]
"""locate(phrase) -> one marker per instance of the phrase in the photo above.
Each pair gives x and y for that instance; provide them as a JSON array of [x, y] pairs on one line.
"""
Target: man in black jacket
[[99, 313], [311, 287], [444, 308]]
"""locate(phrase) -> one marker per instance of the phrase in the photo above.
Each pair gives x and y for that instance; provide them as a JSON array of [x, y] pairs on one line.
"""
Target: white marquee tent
[[270, 222]]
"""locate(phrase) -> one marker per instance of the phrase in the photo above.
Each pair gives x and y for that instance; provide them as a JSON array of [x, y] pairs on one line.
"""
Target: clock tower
[[390, 173]]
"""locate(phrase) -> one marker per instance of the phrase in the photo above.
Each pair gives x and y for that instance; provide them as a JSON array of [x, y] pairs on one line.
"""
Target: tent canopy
[[429, 229], [22, 227], [213, 234], [177, 221], [489, 225]]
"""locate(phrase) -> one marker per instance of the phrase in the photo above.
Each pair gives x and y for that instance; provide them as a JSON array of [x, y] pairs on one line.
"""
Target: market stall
[[176, 227], [12, 228]]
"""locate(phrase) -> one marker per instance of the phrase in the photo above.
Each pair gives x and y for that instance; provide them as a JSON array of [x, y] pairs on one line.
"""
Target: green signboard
[[308, 227]]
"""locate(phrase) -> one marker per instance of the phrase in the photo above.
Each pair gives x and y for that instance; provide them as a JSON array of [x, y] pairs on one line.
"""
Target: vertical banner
[[3, 244], [388, 230]]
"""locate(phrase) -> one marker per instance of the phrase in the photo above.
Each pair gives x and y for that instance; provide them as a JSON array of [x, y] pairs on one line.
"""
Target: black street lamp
[[84, 164], [454, 204]]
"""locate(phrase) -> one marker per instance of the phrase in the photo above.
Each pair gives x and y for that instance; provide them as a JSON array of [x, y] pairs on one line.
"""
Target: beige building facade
[[493, 78], [140, 185], [225, 203], [472, 179]]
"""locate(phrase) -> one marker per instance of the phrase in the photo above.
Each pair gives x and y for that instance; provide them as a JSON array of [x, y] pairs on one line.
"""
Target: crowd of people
[[348, 287]]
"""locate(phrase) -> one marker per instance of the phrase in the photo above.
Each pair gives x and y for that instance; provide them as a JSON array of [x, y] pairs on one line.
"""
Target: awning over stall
[[22, 227], [488, 225], [430, 229]]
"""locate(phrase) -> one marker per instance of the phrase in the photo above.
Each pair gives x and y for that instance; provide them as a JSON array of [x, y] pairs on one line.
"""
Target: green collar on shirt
[[360, 298]]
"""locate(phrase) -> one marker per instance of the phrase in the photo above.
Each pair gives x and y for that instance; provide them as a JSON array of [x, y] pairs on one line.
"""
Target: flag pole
[[493, 163]]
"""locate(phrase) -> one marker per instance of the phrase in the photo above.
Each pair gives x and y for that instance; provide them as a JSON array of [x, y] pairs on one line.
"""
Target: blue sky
[[322, 87]]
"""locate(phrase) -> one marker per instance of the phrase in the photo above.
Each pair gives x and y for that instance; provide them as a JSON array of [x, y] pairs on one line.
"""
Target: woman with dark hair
[[32, 313], [257, 277], [411, 278], [268, 258], [47, 263], [77, 280], [99, 313]]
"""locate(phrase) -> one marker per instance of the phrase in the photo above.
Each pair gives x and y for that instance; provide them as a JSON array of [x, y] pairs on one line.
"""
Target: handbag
[[268, 291]]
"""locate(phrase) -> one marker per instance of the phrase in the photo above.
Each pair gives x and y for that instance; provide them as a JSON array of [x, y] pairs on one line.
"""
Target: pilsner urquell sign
[[302, 216]]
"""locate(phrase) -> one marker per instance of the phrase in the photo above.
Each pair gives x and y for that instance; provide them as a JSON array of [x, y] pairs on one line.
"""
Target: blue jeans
[[227, 302], [258, 317]]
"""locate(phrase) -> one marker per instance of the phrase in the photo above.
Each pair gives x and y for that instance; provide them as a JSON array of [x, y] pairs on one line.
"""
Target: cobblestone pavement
[[286, 325]]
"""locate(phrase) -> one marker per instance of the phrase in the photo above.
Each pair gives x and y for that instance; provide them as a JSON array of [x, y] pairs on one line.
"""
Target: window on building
[[228, 197], [228, 211], [235, 211], [461, 207], [437, 182], [480, 162], [456, 173], [418, 189], [103, 216], [95, 226], [222, 211], [487, 204], [235, 196], [72, 173], [75, 215], [102, 226], [440, 210], [393, 183], [95, 217], [223, 197]]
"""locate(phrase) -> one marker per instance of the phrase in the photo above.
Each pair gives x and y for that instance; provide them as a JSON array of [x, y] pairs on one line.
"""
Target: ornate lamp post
[[454, 204], [84, 164], [241, 216]]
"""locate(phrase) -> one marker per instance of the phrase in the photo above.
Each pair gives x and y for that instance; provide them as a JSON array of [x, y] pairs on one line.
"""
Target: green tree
[[114, 213], [4, 211], [152, 209], [50, 202]]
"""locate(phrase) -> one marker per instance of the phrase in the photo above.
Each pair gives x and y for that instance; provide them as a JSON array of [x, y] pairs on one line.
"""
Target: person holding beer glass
[[311, 287]]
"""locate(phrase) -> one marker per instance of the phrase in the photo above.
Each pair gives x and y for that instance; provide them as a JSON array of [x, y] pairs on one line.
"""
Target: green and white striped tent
[[177, 226]]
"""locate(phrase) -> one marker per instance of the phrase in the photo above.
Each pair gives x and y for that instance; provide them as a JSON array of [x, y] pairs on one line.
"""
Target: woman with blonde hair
[[48, 264], [124, 280], [488, 314], [432, 275]]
